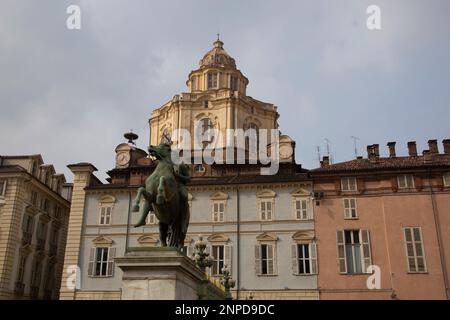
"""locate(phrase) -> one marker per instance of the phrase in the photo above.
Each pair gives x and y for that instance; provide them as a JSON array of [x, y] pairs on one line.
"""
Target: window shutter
[[228, 251], [366, 254], [269, 211], [91, 266], [309, 210], [342, 263], [294, 257], [110, 267], [346, 208], [270, 259], [258, 259], [313, 257], [298, 209], [221, 211], [263, 210], [209, 251]]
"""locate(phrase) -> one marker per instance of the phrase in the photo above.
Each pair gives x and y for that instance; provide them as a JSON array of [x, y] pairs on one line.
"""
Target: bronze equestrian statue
[[166, 196]]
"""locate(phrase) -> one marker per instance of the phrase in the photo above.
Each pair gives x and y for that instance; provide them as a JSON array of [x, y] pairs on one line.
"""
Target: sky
[[71, 94]]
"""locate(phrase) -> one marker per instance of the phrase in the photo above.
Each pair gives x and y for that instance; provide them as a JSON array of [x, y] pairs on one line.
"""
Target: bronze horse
[[165, 194]]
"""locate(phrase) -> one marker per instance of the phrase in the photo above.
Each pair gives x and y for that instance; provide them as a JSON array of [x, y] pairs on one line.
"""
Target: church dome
[[217, 57]]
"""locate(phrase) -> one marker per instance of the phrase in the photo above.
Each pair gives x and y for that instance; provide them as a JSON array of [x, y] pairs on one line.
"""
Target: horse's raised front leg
[[145, 211], [161, 195], [137, 199]]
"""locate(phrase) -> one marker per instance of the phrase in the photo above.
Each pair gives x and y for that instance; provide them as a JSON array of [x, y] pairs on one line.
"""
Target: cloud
[[70, 95]]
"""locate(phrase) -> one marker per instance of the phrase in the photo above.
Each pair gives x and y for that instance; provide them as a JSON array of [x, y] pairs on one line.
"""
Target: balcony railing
[[40, 245], [19, 288], [53, 250], [48, 294], [26, 238], [34, 292]]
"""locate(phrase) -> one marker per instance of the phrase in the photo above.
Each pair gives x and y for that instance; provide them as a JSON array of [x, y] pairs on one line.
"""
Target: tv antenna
[[318, 154], [355, 139], [328, 150]]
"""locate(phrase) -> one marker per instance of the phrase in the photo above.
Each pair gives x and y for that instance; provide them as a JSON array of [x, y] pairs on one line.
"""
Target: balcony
[[26, 238], [40, 245], [53, 250], [19, 288], [47, 294], [34, 292]]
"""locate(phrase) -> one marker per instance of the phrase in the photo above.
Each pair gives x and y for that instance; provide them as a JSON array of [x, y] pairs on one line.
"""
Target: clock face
[[123, 158], [285, 152]]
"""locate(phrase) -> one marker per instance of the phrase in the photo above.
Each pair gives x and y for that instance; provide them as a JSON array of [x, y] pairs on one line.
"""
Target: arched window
[[252, 135], [205, 137]]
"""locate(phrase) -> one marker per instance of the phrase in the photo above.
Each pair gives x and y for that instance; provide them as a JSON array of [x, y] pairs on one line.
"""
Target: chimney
[[373, 152], [325, 162], [369, 151], [391, 146], [446, 143], [412, 149], [433, 146], [376, 150]]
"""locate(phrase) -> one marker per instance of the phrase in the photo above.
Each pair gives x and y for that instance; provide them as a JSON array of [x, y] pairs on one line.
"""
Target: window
[[233, 83], [55, 236], [205, 104], [2, 188], [414, 249], [212, 80], [48, 178], [41, 235], [354, 254], [36, 273], [57, 212], [34, 169], [34, 197], [350, 208], [151, 218], [304, 258], [194, 83], [348, 184], [302, 209], [447, 179], [265, 259], [101, 262], [405, 181], [188, 250], [218, 211], [266, 212], [206, 132], [21, 268], [218, 255], [27, 228], [105, 215]]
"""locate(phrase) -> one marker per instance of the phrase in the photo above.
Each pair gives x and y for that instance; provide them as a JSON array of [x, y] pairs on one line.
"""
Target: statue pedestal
[[163, 274]]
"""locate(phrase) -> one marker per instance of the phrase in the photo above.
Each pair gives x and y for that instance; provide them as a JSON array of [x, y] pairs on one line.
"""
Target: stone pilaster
[[82, 176]]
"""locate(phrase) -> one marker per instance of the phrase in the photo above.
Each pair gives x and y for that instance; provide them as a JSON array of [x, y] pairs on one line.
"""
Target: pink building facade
[[390, 213]]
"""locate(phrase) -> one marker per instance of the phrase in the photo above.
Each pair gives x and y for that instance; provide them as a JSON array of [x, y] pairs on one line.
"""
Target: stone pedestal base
[[162, 274]]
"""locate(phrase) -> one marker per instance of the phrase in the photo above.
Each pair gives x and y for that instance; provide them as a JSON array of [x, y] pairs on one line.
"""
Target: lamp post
[[227, 282], [202, 259]]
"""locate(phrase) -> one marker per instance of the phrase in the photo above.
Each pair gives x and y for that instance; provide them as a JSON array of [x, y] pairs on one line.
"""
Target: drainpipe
[[238, 290], [438, 235]]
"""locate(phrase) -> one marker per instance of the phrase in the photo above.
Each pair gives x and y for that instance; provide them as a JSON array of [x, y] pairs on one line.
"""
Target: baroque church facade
[[251, 221]]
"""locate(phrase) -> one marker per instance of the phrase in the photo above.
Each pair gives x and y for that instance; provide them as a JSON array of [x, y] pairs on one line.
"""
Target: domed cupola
[[217, 57]]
